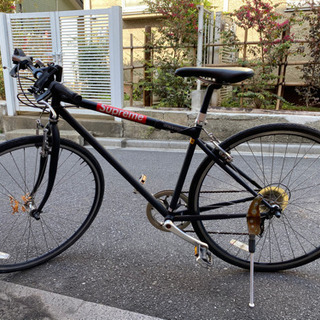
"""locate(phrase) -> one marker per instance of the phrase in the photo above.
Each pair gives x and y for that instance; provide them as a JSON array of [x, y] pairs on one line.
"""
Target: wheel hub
[[275, 196]]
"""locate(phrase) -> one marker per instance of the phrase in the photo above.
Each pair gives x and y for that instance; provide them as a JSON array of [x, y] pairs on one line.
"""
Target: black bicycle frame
[[192, 132], [118, 167]]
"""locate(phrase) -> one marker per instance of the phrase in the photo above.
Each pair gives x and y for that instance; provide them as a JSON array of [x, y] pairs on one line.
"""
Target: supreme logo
[[121, 113]]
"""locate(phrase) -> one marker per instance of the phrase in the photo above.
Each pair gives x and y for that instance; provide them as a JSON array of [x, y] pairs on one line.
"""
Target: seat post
[[206, 102], [207, 97]]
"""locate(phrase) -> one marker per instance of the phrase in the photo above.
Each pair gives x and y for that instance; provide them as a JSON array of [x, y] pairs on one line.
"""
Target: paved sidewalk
[[24, 303]]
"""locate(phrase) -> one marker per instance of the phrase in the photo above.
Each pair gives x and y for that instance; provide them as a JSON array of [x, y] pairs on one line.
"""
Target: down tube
[[115, 164]]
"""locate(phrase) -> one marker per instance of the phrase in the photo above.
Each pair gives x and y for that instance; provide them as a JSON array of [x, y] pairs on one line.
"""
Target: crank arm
[[170, 226]]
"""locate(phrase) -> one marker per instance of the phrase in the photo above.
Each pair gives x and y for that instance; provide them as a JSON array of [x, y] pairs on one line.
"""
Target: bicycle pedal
[[203, 256]]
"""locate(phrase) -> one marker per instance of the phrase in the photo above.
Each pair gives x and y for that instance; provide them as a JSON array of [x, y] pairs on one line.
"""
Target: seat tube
[[183, 174]]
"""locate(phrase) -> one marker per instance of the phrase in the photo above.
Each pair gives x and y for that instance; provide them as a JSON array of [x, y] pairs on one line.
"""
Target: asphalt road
[[124, 262]]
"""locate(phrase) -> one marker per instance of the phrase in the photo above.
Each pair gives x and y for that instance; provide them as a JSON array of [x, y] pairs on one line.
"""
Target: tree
[[7, 6], [274, 43], [311, 70]]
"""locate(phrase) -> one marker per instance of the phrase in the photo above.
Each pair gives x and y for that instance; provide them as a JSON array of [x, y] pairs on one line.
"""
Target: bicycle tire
[[73, 204], [284, 159]]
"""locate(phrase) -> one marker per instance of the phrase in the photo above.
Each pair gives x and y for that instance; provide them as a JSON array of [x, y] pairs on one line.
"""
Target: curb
[[20, 302]]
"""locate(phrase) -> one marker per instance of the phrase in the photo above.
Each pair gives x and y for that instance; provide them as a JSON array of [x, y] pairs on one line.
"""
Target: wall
[[101, 4], [132, 22], [48, 5]]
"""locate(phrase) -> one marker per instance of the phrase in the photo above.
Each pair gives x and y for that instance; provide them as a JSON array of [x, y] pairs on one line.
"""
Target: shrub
[[311, 70], [178, 31], [273, 46]]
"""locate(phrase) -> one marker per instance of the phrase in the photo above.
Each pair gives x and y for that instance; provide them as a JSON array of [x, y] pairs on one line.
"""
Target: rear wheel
[[72, 206], [283, 161]]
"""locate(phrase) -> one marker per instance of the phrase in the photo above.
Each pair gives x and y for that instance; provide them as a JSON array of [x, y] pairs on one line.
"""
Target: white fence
[[210, 26], [87, 43]]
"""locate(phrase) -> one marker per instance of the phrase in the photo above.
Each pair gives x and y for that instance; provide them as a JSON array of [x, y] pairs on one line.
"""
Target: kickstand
[[253, 221], [252, 245]]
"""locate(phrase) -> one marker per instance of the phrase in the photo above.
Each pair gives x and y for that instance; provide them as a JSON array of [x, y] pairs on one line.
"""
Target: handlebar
[[48, 79]]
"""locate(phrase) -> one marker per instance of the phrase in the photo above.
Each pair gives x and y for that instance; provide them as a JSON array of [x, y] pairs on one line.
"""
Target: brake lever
[[22, 65], [13, 71]]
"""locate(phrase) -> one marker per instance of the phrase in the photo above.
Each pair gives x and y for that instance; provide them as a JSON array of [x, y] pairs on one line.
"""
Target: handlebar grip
[[64, 92], [19, 56]]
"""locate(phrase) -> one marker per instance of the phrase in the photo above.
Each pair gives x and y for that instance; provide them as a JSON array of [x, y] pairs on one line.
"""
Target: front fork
[[50, 146]]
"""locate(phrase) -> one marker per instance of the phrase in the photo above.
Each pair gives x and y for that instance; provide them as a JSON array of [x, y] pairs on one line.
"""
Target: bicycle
[[273, 168]]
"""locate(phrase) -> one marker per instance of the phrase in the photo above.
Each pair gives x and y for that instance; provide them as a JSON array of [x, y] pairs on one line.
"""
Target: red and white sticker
[[121, 113]]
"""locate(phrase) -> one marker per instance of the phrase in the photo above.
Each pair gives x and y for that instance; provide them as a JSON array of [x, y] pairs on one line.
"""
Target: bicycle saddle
[[217, 75]]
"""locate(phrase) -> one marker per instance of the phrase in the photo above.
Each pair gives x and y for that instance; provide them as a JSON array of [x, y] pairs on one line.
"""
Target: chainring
[[156, 219]]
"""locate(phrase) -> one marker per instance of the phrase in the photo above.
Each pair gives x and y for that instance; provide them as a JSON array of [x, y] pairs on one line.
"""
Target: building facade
[[49, 5]]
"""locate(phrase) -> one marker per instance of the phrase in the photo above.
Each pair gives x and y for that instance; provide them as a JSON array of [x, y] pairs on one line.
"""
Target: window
[[133, 6], [303, 4]]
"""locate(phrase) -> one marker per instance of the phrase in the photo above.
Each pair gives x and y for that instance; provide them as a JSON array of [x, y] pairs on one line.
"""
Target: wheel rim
[[285, 242], [67, 214]]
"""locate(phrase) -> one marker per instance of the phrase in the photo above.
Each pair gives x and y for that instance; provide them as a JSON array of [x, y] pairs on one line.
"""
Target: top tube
[[140, 118]]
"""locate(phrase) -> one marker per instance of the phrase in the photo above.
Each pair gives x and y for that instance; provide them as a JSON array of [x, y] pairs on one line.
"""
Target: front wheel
[[25, 240], [283, 163]]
